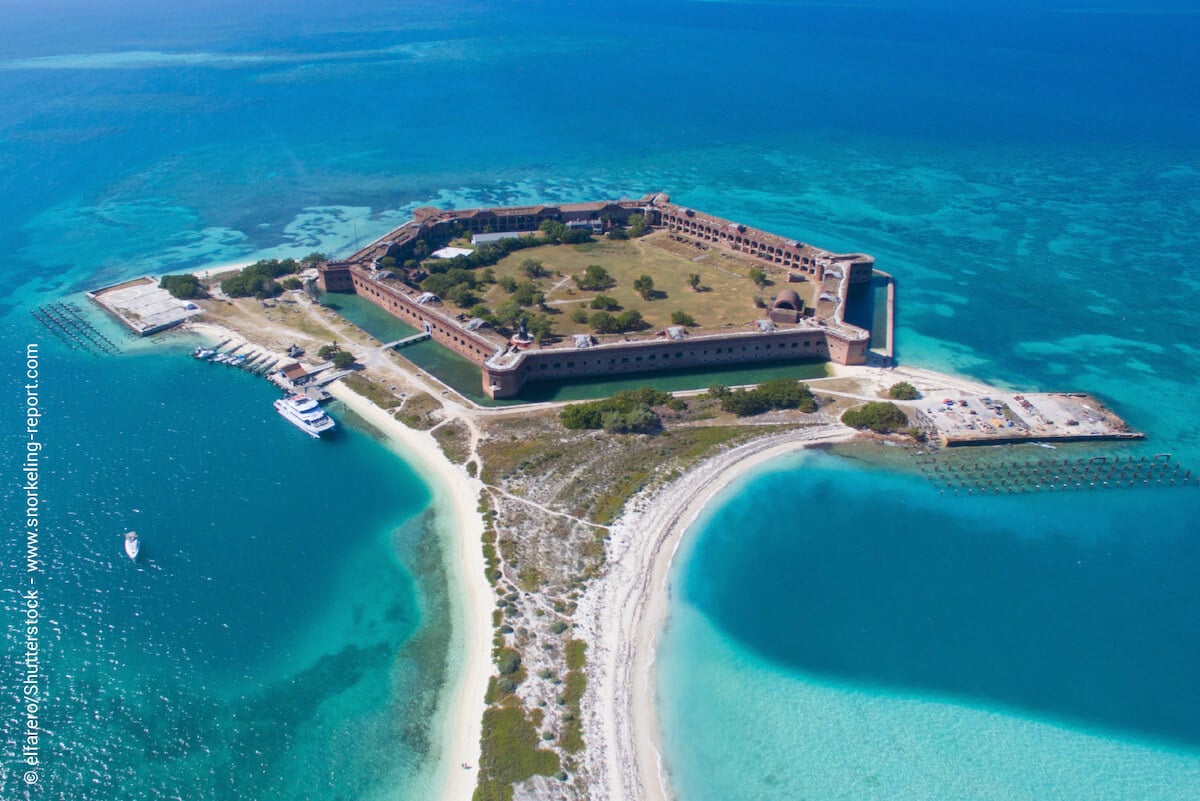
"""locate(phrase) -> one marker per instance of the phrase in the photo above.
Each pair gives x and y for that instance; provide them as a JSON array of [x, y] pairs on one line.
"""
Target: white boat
[[305, 414], [132, 546]]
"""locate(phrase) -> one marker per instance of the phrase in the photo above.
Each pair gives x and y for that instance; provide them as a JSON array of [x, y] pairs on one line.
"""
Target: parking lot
[[960, 418]]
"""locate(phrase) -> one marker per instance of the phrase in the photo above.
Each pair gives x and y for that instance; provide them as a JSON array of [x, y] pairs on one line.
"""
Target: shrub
[[778, 393], [680, 317], [184, 286], [259, 279], [291, 282], [580, 315], [878, 416], [625, 412], [758, 276], [509, 661], [903, 391], [342, 359]]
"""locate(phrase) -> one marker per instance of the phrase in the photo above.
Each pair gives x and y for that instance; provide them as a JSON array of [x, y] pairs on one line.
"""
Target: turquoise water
[[1029, 174]]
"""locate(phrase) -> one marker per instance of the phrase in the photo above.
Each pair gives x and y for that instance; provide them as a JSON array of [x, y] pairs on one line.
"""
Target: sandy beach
[[457, 499], [622, 615]]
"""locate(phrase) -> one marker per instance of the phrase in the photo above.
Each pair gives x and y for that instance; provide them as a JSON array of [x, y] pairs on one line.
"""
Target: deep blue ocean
[[1029, 172]]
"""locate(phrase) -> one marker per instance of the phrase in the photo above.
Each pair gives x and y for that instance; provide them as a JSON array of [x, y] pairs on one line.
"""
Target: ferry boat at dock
[[132, 546], [305, 414]]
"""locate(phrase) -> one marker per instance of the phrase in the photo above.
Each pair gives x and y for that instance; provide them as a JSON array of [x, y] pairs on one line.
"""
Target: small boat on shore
[[132, 546]]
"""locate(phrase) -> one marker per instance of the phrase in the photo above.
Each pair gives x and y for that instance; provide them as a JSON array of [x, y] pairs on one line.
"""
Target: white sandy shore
[[471, 597], [472, 604], [622, 614]]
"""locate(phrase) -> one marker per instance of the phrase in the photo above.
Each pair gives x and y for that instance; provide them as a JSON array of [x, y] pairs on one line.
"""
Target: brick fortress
[[788, 330]]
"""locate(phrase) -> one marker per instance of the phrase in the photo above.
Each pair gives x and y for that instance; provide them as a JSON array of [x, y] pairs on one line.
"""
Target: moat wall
[[505, 378]]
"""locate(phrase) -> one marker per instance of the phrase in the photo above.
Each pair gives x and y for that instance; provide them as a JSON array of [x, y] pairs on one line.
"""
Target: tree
[[644, 286], [325, 351], [461, 295], [526, 294], [758, 276], [342, 359], [480, 311], [603, 323], [313, 259], [541, 327], [680, 317], [903, 391], [594, 278], [618, 234], [532, 268], [605, 302], [507, 313], [554, 230], [291, 282], [488, 276], [637, 225], [630, 320], [580, 315], [508, 283], [693, 280]]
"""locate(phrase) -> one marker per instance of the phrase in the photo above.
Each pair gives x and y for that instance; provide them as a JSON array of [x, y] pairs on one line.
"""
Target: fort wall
[[506, 368]]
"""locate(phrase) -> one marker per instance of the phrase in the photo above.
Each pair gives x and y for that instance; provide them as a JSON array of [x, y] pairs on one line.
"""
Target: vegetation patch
[[373, 392], [510, 753], [418, 411], [778, 393], [455, 439], [878, 416], [184, 287], [629, 411], [903, 391]]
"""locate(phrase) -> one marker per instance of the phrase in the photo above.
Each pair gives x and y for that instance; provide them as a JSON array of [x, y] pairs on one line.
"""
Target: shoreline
[[461, 707], [624, 613]]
